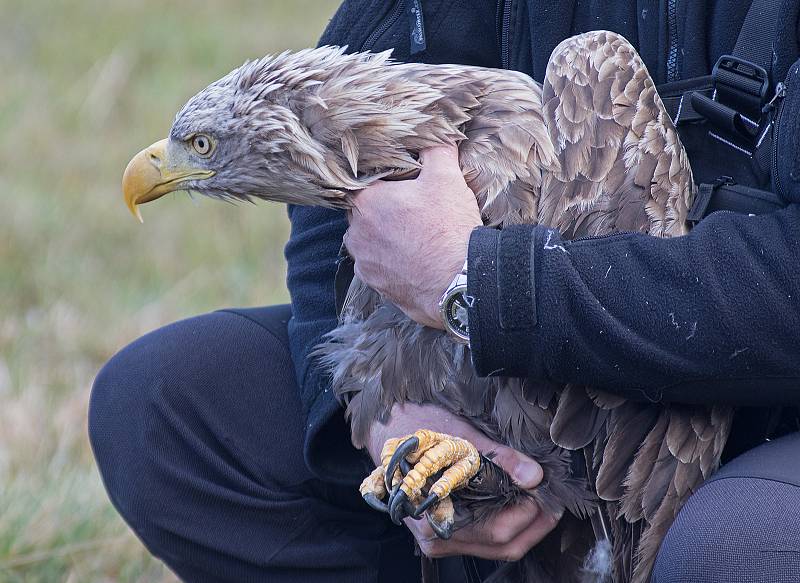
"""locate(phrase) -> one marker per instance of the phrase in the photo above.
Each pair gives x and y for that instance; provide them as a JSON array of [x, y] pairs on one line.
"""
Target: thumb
[[526, 472], [440, 160]]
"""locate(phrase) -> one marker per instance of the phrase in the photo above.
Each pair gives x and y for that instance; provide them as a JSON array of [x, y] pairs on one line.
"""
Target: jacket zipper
[[780, 93], [505, 35], [385, 25], [672, 37]]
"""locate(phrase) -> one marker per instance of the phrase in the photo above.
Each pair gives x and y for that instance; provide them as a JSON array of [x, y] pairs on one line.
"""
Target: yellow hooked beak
[[151, 175]]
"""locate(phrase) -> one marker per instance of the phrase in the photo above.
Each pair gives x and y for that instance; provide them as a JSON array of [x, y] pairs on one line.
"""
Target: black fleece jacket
[[712, 316]]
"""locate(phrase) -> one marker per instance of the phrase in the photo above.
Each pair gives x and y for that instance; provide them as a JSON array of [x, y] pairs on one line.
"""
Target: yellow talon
[[458, 453], [428, 453], [373, 484]]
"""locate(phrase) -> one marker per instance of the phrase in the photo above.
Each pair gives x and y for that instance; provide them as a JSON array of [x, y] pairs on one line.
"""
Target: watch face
[[454, 311]]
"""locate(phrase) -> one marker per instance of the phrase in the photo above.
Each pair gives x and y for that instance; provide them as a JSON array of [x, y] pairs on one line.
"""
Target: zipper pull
[[780, 93]]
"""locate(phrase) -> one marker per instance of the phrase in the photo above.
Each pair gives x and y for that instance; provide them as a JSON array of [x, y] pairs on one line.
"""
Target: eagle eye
[[202, 144]]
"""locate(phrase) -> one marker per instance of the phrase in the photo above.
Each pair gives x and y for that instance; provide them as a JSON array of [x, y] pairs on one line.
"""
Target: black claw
[[427, 503], [399, 507], [405, 448], [377, 504], [443, 530], [405, 467], [392, 494]]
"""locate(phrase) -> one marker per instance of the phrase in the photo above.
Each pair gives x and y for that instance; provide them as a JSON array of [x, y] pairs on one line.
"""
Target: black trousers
[[197, 429]]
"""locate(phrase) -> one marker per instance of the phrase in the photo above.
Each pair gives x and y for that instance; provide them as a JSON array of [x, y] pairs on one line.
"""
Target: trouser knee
[[734, 529], [198, 433], [188, 399]]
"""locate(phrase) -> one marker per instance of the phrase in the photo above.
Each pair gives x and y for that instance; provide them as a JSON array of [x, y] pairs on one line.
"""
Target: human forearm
[[709, 316]]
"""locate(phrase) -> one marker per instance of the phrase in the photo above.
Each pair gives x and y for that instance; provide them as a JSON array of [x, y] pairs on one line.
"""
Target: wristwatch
[[453, 307]]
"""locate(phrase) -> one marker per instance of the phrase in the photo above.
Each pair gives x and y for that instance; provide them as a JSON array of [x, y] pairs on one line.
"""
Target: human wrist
[[449, 265]]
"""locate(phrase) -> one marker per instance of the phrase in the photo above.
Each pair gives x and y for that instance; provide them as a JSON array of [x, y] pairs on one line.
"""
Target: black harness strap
[[742, 80], [739, 83], [736, 103], [676, 96], [725, 195], [756, 39]]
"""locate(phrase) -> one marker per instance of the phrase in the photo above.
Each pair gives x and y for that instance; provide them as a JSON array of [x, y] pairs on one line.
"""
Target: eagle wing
[[623, 168], [591, 152]]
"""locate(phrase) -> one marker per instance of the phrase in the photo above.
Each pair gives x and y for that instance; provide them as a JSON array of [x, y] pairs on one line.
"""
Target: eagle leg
[[430, 453]]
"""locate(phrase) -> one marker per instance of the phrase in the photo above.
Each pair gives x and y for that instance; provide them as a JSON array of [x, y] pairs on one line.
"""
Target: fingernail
[[527, 474]]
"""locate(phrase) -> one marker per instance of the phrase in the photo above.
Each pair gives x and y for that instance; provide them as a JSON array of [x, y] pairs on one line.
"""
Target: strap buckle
[[741, 84], [735, 109], [702, 199]]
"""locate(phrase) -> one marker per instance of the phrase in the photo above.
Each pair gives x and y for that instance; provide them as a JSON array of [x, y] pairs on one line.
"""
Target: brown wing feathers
[[623, 168]]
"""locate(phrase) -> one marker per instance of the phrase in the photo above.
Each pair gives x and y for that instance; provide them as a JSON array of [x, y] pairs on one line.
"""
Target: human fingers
[[501, 528], [495, 539], [525, 471]]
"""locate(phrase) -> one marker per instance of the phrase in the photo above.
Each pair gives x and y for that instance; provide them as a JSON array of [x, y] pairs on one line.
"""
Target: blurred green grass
[[84, 86]]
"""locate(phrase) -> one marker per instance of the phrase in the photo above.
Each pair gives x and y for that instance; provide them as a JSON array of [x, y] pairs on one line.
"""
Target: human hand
[[506, 536], [409, 238]]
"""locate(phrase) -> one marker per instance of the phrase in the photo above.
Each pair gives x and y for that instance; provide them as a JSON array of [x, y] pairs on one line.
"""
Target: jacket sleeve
[[713, 316], [311, 256]]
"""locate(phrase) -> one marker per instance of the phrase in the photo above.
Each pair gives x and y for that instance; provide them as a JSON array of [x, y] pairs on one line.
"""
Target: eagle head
[[279, 128]]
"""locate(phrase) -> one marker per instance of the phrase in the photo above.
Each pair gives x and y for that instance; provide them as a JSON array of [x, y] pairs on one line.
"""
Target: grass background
[[86, 84]]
